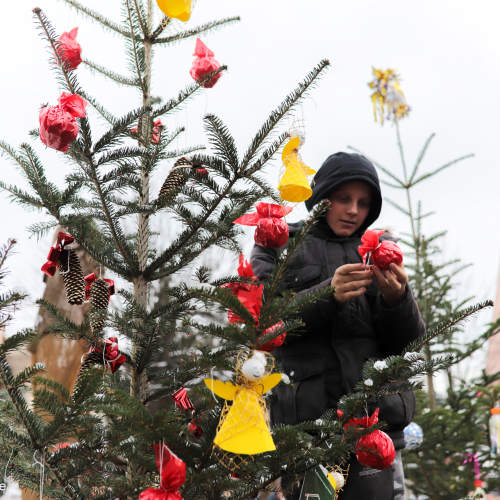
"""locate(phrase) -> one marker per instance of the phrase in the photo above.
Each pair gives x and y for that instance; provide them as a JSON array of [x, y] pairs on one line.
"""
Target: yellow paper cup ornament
[[243, 428], [176, 9], [294, 184]]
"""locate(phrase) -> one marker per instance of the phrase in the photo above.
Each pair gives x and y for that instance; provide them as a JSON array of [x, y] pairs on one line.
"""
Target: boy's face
[[350, 206]]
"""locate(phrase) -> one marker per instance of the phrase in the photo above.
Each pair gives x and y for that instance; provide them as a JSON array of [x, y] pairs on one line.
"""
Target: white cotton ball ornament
[[253, 369]]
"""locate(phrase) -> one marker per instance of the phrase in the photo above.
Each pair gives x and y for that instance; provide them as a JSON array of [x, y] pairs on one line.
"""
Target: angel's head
[[253, 369]]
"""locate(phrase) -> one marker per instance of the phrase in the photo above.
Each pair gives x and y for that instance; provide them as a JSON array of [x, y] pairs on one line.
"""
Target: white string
[[7, 466], [212, 377], [161, 462], [42, 471]]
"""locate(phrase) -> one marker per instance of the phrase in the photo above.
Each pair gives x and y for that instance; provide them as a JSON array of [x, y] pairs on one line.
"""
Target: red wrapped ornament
[[251, 297], [58, 126], [375, 450], [52, 263], [182, 400], [172, 475], [112, 356], [276, 342], [381, 254], [195, 429], [70, 49], [204, 64], [272, 230], [157, 128]]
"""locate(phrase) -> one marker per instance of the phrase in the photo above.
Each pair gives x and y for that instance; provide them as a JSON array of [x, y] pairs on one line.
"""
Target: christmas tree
[[98, 441], [455, 426]]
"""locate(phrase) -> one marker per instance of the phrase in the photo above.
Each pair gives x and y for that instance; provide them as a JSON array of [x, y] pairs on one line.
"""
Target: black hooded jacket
[[325, 360]]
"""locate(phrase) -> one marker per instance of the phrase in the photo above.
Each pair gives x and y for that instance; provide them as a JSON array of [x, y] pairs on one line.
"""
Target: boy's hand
[[350, 281], [392, 284]]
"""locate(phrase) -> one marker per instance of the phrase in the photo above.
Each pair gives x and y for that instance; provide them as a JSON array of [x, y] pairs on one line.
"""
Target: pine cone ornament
[[72, 275], [175, 179], [91, 358], [99, 299]]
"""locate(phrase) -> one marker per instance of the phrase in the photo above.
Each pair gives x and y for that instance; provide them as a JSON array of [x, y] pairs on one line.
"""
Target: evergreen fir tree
[[106, 418]]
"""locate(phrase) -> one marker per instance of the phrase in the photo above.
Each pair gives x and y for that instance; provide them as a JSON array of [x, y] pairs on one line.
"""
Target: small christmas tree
[[106, 419]]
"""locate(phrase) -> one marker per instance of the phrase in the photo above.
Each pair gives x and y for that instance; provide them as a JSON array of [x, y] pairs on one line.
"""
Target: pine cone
[[92, 358], [99, 299], [72, 275], [175, 179]]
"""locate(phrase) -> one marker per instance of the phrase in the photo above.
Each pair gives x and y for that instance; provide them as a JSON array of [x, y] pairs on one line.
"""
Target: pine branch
[[282, 111], [420, 157], [212, 26], [100, 109], [426, 176], [222, 141], [122, 80], [106, 23]]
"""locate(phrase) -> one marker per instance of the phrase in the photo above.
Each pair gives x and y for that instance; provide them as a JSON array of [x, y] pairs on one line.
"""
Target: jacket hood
[[341, 168]]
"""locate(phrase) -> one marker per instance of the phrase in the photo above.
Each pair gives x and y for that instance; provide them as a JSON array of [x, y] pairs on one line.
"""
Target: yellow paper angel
[[243, 429], [176, 9], [294, 185]]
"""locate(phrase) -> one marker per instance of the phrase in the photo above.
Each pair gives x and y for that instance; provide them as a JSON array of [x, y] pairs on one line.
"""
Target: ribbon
[[370, 243], [90, 278], [52, 263], [111, 356], [182, 401], [172, 475], [472, 457]]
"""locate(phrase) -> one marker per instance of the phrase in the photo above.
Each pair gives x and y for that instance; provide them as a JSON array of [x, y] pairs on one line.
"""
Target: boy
[[371, 315]]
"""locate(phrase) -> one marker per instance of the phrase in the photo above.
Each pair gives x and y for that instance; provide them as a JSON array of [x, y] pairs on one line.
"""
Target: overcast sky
[[446, 51]]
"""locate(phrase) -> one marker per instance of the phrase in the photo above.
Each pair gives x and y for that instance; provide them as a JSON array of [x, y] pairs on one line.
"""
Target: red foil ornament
[[112, 355], [375, 450], [276, 342], [52, 263], [182, 401], [90, 278], [70, 49], [381, 254], [195, 429], [204, 64], [172, 475], [157, 128], [272, 230], [58, 126]]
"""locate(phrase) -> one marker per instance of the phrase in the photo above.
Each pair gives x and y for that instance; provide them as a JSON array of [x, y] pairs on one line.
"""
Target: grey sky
[[447, 53]]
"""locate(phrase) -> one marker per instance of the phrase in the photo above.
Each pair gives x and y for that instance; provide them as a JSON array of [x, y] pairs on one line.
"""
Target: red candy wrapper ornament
[[381, 254], [172, 475], [375, 450], [272, 230], [157, 128], [112, 356], [58, 126], [251, 297], [204, 64], [195, 429], [276, 342], [182, 401], [69, 48]]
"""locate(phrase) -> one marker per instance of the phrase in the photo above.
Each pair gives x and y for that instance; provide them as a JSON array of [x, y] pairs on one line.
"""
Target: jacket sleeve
[[316, 314], [395, 328]]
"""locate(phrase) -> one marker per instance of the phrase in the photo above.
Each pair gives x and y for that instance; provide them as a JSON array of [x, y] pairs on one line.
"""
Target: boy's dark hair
[[341, 168]]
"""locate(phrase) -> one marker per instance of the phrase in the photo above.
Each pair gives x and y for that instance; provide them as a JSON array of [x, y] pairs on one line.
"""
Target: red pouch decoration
[[375, 450], [90, 278], [58, 126], [112, 356], [52, 263], [157, 128], [251, 297], [272, 230], [70, 49], [382, 254], [172, 475], [195, 429], [276, 342], [204, 64]]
